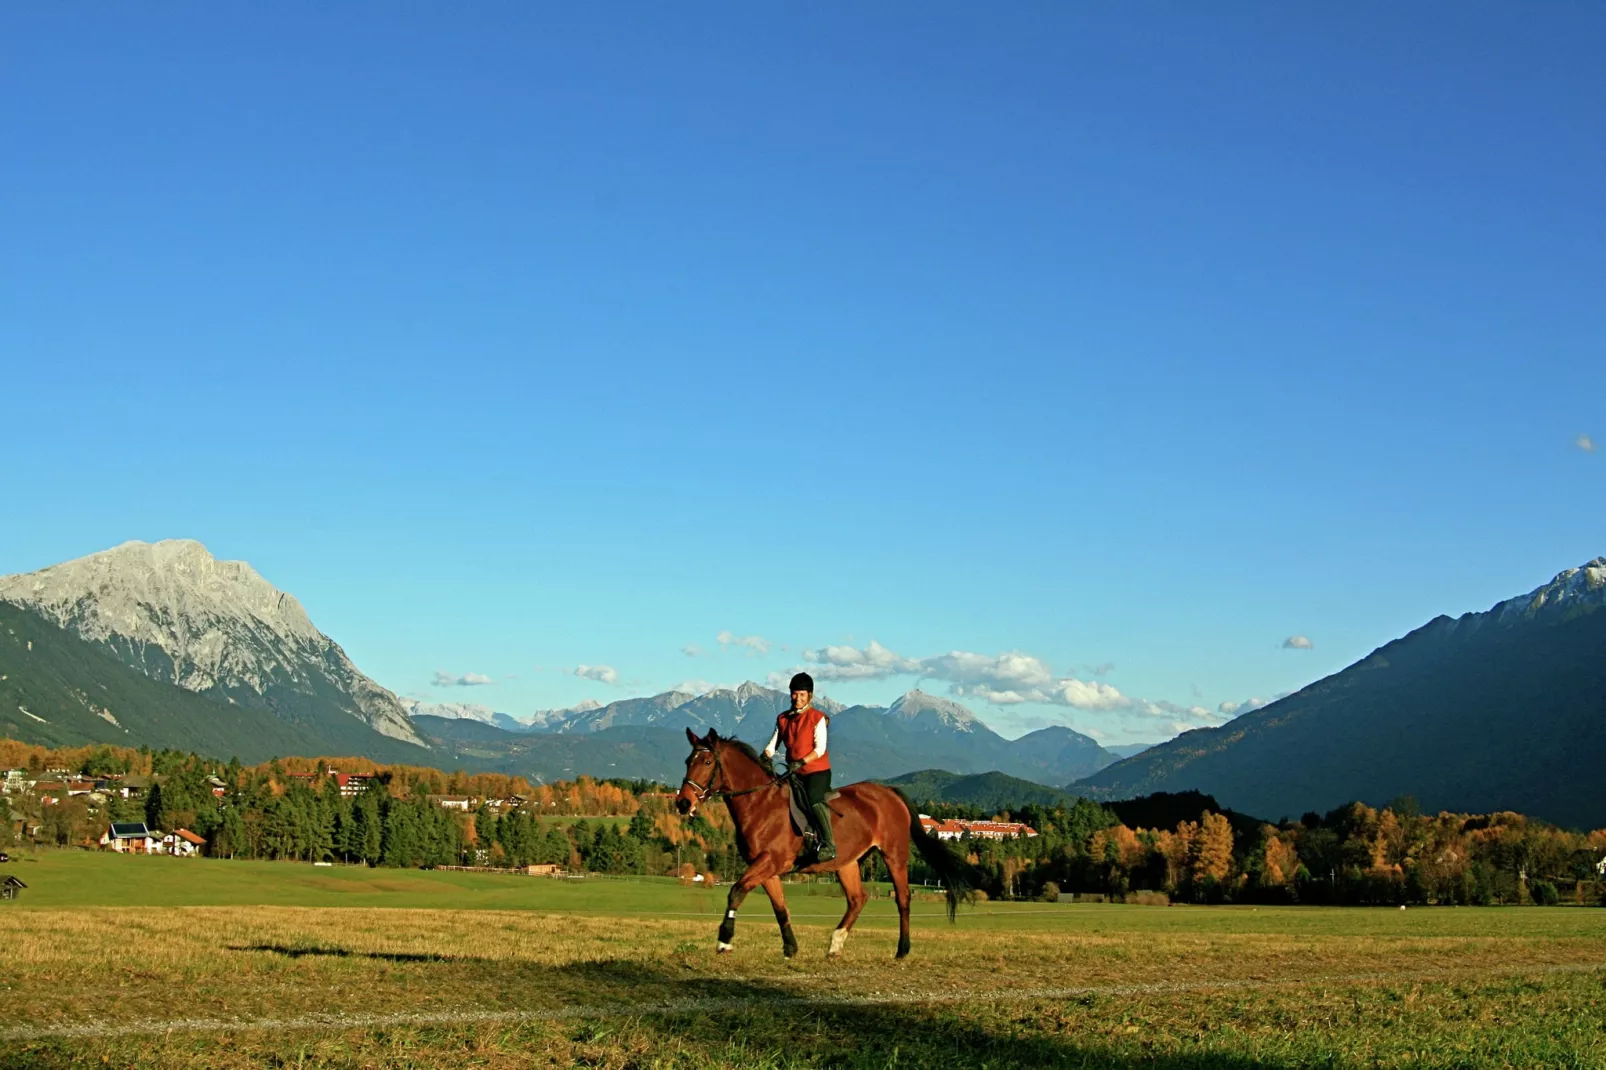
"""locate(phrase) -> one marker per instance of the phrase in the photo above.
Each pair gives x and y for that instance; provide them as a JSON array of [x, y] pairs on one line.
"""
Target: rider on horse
[[803, 728]]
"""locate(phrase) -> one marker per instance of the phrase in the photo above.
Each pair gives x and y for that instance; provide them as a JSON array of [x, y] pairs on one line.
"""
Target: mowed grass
[[617, 974]]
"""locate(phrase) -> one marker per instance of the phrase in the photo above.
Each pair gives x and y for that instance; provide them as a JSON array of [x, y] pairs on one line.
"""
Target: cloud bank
[[755, 643], [1585, 443], [603, 674], [468, 679], [1298, 642], [1007, 679]]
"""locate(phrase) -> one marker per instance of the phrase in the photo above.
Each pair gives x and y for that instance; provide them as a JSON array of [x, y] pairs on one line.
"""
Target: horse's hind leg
[[854, 890], [899, 868], [783, 917]]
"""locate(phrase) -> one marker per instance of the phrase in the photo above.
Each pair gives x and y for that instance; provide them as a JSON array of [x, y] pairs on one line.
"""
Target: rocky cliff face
[[176, 613]]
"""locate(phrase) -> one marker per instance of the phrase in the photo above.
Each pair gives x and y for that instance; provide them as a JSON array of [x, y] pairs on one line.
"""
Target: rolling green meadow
[[134, 961]]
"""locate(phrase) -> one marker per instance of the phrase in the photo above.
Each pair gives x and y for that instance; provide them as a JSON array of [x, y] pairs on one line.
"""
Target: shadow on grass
[[346, 953], [730, 1022], [682, 1012]]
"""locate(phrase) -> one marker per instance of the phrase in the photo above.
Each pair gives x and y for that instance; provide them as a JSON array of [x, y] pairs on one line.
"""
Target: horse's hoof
[[723, 949]]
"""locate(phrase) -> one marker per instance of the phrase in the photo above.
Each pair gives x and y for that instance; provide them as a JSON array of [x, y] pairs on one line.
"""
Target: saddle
[[800, 816]]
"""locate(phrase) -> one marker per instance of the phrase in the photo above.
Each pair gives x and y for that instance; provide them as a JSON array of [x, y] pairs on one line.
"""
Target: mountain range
[[645, 737], [163, 644], [1499, 710]]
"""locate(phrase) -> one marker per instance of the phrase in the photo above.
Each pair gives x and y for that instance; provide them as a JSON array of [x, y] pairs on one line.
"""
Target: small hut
[[10, 886]]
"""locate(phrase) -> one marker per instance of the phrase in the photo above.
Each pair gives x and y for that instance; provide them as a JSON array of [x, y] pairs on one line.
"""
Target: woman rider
[[802, 728]]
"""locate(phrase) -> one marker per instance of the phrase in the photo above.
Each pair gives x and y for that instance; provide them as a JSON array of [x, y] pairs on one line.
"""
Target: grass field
[[163, 962]]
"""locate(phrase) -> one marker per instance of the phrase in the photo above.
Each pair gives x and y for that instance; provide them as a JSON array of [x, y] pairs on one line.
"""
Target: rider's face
[[800, 699]]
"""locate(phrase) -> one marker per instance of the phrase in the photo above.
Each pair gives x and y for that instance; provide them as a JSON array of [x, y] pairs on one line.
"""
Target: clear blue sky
[[513, 338]]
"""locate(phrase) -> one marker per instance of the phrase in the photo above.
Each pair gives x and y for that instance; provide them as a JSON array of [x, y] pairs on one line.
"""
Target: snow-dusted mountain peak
[[920, 708], [103, 592], [176, 613], [1585, 585]]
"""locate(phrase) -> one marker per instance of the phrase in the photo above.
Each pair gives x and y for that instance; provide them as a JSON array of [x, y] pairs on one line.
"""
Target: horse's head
[[704, 774]]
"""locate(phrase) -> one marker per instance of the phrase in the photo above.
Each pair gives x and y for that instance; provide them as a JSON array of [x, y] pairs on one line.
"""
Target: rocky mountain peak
[[1585, 585], [110, 592], [176, 613], [919, 707]]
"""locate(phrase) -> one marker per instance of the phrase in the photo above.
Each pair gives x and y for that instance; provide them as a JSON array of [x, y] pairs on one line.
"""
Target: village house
[[10, 886], [182, 843], [16, 781], [350, 784], [954, 829], [50, 792], [131, 837], [452, 802], [544, 869]]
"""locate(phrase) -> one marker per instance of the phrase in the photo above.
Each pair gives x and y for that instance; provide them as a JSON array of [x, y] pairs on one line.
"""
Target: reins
[[705, 792]]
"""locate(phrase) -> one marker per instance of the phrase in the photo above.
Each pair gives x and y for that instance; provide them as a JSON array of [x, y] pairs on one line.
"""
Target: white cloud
[[695, 687], [756, 643], [468, 679], [1585, 443], [1297, 642], [874, 662], [691, 650], [1248, 705], [1190, 716], [603, 674], [1089, 695]]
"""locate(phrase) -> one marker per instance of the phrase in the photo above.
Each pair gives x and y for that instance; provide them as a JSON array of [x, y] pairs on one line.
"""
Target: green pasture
[[66, 879], [158, 962]]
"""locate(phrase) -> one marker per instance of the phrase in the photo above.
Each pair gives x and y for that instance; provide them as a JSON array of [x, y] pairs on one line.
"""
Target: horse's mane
[[747, 750]]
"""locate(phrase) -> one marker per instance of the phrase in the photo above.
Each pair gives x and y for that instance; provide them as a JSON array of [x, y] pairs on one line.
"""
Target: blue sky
[[1070, 355]]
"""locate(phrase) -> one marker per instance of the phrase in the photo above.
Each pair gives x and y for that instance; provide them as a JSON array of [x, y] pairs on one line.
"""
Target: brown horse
[[869, 817]]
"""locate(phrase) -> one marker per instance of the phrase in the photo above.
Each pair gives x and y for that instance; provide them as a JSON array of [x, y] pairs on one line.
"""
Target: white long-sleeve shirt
[[819, 741]]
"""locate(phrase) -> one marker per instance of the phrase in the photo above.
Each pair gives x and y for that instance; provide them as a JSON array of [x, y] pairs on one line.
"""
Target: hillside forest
[[1160, 848]]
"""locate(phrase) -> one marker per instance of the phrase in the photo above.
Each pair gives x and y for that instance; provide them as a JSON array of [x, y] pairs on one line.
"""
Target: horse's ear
[[713, 737], [693, 737]]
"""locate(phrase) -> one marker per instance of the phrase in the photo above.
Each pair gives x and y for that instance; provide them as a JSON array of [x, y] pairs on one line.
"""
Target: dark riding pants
[[815, 786]]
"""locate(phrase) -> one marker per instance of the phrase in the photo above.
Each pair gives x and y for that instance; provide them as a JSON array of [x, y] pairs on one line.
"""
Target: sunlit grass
[[588, 973]]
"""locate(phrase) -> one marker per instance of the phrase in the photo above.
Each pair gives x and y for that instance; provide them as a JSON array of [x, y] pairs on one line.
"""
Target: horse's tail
[[959, 878]]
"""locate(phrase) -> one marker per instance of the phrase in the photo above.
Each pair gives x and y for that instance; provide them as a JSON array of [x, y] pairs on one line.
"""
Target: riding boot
[[822, 829]]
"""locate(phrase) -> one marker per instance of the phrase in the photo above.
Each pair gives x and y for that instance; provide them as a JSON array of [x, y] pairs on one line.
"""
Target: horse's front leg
[[783, 917], [761, 870]]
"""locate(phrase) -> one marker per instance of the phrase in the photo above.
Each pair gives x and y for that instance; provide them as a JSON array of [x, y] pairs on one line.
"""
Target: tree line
[[1354, 854], [1182, 847]]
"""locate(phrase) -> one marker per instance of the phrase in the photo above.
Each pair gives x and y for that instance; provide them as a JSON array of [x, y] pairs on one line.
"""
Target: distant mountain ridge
[[990, 791], [646, 735], [1491, 711]]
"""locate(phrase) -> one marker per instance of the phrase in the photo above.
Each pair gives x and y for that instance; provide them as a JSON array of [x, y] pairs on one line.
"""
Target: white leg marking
[[723, 947], [838, 938]]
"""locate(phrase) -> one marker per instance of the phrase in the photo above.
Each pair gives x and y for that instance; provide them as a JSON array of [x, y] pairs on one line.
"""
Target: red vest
[[797, 732]]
